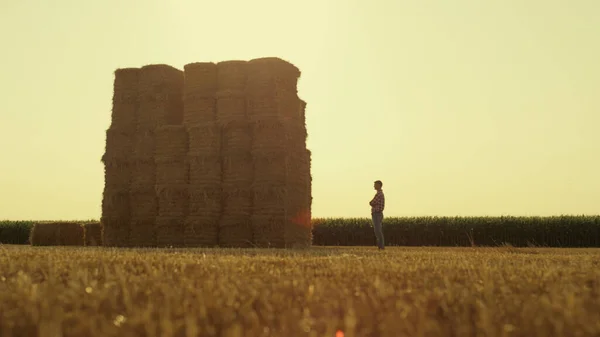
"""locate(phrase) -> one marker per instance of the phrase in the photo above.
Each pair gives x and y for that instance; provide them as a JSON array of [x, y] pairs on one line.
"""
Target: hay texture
[[115, 231], [171, 171], [238, 172], [125, 99], [282, 105], [160, 97], [144, 145], [173, 200], [199, 110], [201, 231], [115, 202], [143, 232], [235, 231], [200, 79], [143, 174], [269, 75], [237, 139], [169, 231], [57, 234], [119, 145], [231, 108], [231, 75], [204, 140], [117, 174], [143, 203], [205, 171], [205, 201], [92, 233], [171, 141], [278, 135]]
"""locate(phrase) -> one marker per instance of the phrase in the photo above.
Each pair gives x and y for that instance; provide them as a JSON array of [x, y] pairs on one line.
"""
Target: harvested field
[[313, 292]]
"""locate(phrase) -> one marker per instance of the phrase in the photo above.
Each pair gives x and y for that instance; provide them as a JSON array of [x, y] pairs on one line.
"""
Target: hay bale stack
[[281, 162], [199, 93], [235, 228], [57, 234], [200, 226], [118, 166], [92, 234]]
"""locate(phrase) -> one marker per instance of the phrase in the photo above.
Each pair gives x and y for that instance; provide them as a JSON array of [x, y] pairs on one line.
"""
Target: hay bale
[[198, 110], [117, 173], [143, 202], [278, 134], [171, 171], [169, 231], [92, 233], [238, 171], [119, 144], [270, 74], [205, 200], [143, 173], [115, 202], [125, 96], [171, 141], [237, 202], [269, 230], [57, 234], [144, 144], [205, 171], [143, 232], [201, 231], [282, 105], [231, 75], [236, 139], [115, 231], [160, 97], [173, 200], [204, 140], [231, 107], [200, 78], [235, 231]]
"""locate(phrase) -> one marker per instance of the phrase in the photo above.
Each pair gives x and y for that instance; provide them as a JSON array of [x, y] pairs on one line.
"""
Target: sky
[[461, 108]]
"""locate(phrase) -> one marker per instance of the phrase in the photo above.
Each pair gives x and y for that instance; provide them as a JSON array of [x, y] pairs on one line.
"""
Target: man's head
[[378, 184]]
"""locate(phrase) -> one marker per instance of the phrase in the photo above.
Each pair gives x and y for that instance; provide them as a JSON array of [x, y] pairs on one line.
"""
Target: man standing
[[377, 206]]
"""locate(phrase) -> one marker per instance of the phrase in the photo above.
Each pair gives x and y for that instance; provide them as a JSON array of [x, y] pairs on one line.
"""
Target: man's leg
[[378, 227]]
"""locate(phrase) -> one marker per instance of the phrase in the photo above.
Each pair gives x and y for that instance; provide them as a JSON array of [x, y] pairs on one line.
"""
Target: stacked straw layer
[[57, 234], [199, 226], [160, 97], [118, 165], [281, 163]]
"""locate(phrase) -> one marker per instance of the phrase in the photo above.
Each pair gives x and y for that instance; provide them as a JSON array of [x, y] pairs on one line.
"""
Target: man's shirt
[[378, 202]]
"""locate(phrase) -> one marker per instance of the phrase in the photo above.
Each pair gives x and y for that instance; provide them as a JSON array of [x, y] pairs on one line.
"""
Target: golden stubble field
[[317, 292]]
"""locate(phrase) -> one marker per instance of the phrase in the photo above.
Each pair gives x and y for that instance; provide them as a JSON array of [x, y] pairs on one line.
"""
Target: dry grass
[[360, 291]]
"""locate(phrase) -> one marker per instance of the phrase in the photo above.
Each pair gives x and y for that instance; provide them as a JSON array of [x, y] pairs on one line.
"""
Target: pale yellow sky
[[462, 107]]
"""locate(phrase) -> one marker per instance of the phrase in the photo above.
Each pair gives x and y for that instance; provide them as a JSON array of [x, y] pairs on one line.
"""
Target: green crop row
[[558, 231]]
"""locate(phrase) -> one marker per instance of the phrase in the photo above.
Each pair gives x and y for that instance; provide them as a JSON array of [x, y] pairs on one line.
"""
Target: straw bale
[[152, 114], [143, 232], [118, 144], [115, 231], [171, 141], [201, 78], [70, 234], [269, 230], [204, 139], [169, 231], [278, 134], [237, 202], [92, 233], [205, 201], [143, 202], [117, 174], [236, 139], [115, 202], [235, 231], [231, 107], [201, 231], [173, 200], [124, 112], [144, 144], [44, 234], [281, 105], [171, 171], [270, 169], [237, 170], [205, 170], [157, 78], [232, 74], [269, 199], [126, 79], [143, 173], [198, 110], [271, 74]]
